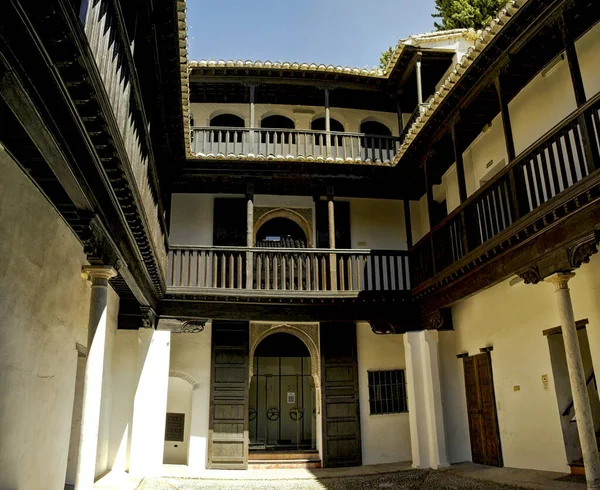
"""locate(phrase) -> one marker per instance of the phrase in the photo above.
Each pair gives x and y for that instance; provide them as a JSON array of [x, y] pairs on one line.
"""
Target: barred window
[[174, 427], [387, 392]]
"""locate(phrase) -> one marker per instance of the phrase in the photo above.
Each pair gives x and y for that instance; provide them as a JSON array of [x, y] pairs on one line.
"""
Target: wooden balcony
[[292, 145], [517, 202], [286, 271]]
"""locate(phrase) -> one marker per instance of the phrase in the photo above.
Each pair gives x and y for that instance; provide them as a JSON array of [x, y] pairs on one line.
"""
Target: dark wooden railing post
[[462, 184], [514, 179], [408, 224], [430, 206], [588, 138]]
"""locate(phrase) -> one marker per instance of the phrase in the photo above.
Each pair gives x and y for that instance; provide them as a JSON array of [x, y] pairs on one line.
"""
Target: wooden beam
[[408, 224], [19, 102], [460, 167]]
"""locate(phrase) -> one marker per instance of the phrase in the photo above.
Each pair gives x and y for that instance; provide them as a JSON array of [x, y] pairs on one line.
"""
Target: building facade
[[241, 264]]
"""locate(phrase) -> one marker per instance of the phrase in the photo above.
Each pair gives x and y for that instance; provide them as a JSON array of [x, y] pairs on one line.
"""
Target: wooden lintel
[[579, 324]]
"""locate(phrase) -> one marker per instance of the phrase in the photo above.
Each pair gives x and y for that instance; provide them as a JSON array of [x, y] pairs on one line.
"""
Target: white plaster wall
[[124, 383], [44, 303], [374, 223], [511, 319], [377, 223], [302, 116], [587, 52], [419, 218], [179, 401], [190, 355], [385, 438]]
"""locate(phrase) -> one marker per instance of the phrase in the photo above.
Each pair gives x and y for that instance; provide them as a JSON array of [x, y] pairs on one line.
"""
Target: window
[[387, 392], [174, 427]]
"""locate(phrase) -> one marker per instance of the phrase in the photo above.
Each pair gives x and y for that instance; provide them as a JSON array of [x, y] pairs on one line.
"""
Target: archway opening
[[279, 124], [281, 232], [226, 124], [282, 398]]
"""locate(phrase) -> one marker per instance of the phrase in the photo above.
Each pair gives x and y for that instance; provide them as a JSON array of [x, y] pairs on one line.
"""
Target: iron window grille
[[174, 427], [387, 392]]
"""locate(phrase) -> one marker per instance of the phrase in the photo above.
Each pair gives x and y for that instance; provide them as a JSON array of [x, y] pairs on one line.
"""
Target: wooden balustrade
[[287, 270], [558, 160], [288, 144], [111, 50]]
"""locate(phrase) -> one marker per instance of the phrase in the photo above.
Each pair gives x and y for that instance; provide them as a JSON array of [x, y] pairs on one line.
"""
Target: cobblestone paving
[[403, 480]]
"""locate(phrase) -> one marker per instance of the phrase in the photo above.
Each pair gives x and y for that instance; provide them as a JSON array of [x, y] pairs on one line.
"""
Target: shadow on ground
[[409, 480]]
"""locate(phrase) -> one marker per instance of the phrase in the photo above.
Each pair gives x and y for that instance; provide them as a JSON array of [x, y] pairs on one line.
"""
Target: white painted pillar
[[250, 236], [581, 402], [252, 120], [94, 370], [419, 82], [426, 418], [327, 124], [150, 402]]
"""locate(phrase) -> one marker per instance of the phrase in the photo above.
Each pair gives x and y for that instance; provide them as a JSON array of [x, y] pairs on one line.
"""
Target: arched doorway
[[281, 232], [225, 125], [282, 395]]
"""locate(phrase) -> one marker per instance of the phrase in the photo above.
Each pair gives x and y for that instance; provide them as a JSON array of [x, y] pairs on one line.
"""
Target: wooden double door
[[228, 423], [481, 406]]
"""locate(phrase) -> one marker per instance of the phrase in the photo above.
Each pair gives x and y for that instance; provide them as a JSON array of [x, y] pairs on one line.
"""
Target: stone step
[[282, 455], [287, 464]]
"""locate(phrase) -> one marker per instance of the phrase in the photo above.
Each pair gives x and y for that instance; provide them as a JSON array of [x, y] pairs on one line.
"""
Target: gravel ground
[[403, 480]]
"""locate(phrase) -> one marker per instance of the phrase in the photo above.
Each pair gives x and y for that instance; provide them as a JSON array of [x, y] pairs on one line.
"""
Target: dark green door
[[339, 373], [228, 423]]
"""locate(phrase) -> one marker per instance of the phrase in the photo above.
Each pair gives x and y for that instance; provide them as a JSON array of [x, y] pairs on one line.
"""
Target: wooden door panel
[[228, 429], [481, 409], [341, 422]]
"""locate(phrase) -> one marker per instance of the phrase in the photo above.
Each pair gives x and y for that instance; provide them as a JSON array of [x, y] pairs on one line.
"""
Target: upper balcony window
[[335, 126], [374, 127], [277, 122], [224, 122]]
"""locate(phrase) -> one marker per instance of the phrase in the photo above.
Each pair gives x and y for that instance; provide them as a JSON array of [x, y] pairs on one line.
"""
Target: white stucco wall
[[302, 116], [191, 355], [511, 319], [374, 223], [179, 401], [538, 107], [44, 303], [385, 438]]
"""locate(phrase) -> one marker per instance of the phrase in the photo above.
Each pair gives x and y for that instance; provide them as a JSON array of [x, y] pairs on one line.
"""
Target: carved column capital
[[99, 275], [560, 280]]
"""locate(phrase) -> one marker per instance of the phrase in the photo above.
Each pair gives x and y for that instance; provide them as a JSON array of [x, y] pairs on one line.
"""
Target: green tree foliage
[[456, 14], [385, 57]]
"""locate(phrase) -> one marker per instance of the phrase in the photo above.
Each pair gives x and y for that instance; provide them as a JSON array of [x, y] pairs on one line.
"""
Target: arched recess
[[308, 333], [277, 122], [221, 116], [289, 214], [185, 377], [374, 127], [227, 121], [318, 124]]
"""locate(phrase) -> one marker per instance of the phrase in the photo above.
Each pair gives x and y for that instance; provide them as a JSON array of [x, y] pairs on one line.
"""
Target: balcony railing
[[286, 271], [292, 144], [555, 162]]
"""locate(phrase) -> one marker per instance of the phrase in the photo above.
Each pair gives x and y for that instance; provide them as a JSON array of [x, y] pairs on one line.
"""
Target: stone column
[[581, 402], [150, 402], [94, 371], [250, 236], [419, 82], [327, 124], [426, 418], [332, 257]]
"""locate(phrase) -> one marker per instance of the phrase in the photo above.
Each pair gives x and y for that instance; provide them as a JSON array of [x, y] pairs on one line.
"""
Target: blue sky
[[337, 32]]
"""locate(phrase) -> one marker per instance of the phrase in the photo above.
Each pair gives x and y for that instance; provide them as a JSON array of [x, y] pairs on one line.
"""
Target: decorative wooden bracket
[[438, 320], [582, 250], [182, 325], [148, 317]]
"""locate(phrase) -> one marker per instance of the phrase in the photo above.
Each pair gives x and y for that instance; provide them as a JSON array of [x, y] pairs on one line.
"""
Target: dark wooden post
[[460, 167], [408, 224], [588, 138], [399, 109], [430, 206], [332, 257], [514, 177]]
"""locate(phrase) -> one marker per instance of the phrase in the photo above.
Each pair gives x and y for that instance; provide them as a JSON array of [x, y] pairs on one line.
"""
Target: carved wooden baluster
[[275, 271], [357, 267], [283, 278], [309, 260], [324, 270], [267, 271], [189, 273], [349, 260], [239, 271], [342, 282], [199, 268], [292, 273], [259, 271], [181, 261], [300, 278], [215, 270]]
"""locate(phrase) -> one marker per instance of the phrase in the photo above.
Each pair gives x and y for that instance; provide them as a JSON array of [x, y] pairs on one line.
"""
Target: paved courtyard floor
[[377, 477]]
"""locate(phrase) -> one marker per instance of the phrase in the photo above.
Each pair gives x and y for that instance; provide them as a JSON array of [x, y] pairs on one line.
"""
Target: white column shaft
[[250, 242], [94, 369], [581, 402], [419, 82]]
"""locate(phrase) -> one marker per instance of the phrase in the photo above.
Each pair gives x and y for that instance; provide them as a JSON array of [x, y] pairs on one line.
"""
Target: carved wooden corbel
[[531, 275], [148, 317], [581, 252], [182, 325], [438, 320]]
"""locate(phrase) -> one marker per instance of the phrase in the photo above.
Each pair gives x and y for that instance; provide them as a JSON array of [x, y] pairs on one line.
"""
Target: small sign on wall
[[291, 398], [174, 427]]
